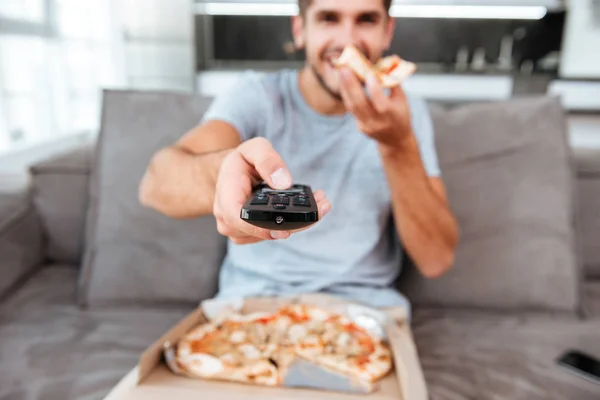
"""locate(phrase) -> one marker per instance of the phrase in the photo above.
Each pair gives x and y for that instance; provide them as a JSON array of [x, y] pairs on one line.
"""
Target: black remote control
[[280, 210]]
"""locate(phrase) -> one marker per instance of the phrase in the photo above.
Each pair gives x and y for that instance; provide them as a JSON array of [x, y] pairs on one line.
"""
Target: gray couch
[[89, 278]]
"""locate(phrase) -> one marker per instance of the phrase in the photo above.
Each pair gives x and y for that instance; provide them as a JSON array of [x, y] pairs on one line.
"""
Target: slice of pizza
[[345, 347], [394, 70], [390, 71], [233, 349]]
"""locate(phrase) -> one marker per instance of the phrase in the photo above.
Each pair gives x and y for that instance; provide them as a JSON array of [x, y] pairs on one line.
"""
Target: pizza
[[238, 348], [259, 348], [390, 71], [334, 341]]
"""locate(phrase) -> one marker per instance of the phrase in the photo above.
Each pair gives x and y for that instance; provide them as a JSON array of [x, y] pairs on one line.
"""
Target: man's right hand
[[253, 161]]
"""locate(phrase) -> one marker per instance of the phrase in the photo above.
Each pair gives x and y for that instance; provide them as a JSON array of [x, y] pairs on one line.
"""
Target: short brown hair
[[303, 5]]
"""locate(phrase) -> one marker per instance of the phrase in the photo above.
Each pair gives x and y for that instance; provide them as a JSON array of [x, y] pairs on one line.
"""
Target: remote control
[[279, 210]]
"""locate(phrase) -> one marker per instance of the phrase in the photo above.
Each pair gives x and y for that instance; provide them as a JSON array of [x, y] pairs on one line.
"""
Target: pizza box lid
[[152, 379]]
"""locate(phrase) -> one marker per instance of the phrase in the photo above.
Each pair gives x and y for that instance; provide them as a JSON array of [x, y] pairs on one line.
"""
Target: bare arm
[[424, 222], [180, 180]]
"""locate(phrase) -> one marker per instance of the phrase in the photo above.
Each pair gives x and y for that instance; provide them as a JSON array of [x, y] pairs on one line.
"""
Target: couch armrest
[[588, 198], [21, 239], [60, 195]]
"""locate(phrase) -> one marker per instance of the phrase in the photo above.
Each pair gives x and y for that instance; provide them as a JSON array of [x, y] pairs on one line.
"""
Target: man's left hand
[[384, 118]]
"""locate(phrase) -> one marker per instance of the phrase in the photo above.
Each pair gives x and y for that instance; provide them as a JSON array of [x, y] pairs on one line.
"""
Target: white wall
[[581, 42], [159, 50]]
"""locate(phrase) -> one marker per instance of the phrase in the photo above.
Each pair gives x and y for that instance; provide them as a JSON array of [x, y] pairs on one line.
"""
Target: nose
[[349, 34]]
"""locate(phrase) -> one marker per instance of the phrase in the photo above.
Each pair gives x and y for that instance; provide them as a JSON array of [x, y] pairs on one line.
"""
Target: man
[[373, 154]]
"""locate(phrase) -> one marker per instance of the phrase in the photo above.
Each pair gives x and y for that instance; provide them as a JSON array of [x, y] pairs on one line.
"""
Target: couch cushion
[[12, 204], [134, 254], [60, 194], [588, 161], [588, 183], [482, 355], [51, 349], [508, 172], [21, 239]]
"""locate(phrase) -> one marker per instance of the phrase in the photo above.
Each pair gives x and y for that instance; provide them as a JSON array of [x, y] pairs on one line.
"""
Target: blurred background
[[56, 56]]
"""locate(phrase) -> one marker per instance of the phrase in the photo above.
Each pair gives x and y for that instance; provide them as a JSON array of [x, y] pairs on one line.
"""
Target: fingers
[[323, 206], [233, 188], [397, 94], [240, 232], [322, 203], [235, 237], [243, 232], [252, 159], [235, 185], [380, 102], [319, 195], [354, 96], [245, 240], [234, 226], [259, 153]]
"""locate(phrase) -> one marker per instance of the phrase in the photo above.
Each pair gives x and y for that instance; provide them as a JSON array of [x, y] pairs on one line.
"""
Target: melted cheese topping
[[297, 332], [204, 364], [255, 348], [250, 352], [343, 339], [238, 337]]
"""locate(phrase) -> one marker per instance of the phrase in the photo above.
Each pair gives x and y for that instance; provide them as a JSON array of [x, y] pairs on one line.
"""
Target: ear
[[390, 27], [298, 31]]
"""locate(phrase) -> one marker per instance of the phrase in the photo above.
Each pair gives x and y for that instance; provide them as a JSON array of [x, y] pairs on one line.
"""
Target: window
[[57, 55], [53, 63], [24, 10]]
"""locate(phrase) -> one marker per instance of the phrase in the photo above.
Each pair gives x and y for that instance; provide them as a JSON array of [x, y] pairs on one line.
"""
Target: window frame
[[45, 29]]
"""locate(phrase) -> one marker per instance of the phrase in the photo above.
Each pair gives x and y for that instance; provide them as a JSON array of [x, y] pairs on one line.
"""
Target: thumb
[[280, 179], [260, 154]]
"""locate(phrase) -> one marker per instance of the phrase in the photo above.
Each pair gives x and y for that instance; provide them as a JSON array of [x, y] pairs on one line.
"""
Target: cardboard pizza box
[[151, 379]]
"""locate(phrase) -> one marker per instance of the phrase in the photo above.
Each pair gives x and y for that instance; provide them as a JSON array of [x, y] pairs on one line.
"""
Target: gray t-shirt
[[354, 251]]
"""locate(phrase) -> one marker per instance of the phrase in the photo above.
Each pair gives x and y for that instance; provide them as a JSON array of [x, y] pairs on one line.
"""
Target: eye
[[367, 19], [328, 17]]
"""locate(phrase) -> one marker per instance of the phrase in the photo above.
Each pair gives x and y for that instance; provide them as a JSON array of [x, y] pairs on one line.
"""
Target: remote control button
[[279, 220], [302, 201], [279, 199], [279, 206], [260, 200]]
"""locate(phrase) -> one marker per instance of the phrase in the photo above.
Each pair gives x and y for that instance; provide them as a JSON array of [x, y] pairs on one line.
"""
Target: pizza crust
[[390, 71]]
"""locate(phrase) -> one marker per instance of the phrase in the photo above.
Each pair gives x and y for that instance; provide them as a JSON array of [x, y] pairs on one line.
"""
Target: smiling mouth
[[331, 56], [330, 61]]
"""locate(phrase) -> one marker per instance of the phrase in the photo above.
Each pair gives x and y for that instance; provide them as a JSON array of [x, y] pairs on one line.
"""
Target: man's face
[[330, 25]]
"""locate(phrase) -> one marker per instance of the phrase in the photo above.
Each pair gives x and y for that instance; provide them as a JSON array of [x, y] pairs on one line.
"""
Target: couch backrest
[[509, 174], [61, 196], [134, 254]]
